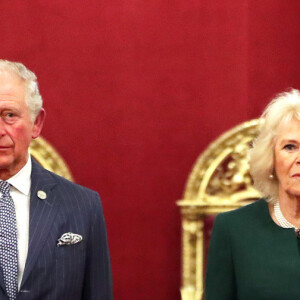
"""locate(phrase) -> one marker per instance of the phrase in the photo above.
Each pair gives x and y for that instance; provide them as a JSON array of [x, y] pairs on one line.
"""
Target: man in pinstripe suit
[[61, 236]]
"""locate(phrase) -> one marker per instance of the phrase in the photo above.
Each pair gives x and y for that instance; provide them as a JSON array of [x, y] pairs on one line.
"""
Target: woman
[[255, 250]]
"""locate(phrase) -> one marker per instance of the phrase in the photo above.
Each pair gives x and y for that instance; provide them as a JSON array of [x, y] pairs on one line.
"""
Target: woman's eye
[[289, 147]]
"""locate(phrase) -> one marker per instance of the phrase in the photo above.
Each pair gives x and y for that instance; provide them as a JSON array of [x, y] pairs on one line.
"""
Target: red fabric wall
[[135, 90]]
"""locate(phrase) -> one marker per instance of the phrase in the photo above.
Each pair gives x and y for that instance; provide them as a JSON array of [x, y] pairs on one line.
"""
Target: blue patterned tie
[[8, 241]]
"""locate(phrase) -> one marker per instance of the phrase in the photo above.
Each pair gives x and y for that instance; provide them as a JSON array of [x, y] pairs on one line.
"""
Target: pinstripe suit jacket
[[78, 271]]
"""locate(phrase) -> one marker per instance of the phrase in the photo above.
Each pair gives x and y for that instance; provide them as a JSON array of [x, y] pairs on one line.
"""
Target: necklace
[[283, 222]]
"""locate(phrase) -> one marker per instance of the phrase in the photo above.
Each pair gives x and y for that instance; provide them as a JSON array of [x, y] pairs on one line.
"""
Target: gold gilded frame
[[219, 181], [48, 157]]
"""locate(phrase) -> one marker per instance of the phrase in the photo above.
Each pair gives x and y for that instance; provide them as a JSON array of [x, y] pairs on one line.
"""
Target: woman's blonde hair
[[282, 109]]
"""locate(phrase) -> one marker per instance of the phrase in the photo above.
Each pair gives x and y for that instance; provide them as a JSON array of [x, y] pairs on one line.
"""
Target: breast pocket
[[70, 264]]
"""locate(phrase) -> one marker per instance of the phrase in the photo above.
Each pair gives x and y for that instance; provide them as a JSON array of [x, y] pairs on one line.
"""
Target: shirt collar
[[22, 180]]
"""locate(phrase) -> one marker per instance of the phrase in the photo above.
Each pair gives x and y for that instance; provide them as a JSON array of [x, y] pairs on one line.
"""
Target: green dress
[[252, 258]]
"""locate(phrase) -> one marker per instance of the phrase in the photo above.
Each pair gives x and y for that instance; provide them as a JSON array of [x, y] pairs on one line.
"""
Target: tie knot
[[4, 187]]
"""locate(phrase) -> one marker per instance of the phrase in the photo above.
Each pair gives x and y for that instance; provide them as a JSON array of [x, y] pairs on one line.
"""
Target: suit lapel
[[42, 214]]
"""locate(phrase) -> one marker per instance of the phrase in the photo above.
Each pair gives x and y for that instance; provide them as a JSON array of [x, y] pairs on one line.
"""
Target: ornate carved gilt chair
[[219, 181], [49, 158]]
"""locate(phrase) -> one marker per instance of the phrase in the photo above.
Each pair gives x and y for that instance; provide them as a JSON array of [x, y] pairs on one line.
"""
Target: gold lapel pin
[[42, 195]]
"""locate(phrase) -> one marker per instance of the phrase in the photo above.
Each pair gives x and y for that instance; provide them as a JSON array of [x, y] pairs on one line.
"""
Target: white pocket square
[[69, 238]]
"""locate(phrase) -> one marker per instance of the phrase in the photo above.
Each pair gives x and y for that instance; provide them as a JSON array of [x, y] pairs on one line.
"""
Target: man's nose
[[2, 128]]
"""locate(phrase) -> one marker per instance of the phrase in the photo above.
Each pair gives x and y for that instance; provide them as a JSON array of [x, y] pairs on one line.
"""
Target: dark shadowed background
[[135, 90]]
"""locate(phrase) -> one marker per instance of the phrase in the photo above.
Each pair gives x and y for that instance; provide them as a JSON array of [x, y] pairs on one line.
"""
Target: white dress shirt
[[20, 193]]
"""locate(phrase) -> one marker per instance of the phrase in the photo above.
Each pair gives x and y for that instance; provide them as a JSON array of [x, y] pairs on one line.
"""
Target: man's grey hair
[[33, 97]]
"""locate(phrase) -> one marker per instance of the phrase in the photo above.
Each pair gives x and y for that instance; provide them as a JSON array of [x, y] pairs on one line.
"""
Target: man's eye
[[289, 147], [9, 117]]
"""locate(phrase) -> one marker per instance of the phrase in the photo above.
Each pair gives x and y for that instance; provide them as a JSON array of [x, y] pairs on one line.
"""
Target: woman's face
[[287, 158]]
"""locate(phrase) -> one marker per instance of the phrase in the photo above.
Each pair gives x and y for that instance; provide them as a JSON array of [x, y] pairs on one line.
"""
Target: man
[[53, 241]]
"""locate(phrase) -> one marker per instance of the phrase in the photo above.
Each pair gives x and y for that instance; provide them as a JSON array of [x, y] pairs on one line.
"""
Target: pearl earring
[[271, 176]]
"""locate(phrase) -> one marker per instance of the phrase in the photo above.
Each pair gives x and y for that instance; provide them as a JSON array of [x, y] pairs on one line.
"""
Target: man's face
[[16, 127]]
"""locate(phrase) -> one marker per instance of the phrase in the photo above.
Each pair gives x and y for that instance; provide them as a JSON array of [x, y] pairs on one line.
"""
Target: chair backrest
[[219, 181], [47, 156]]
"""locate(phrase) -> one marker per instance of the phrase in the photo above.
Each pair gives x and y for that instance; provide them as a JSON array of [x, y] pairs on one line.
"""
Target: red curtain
[[135, 90]]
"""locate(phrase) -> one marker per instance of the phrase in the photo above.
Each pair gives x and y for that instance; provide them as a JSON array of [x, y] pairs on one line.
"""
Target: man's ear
[[38, 123]]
